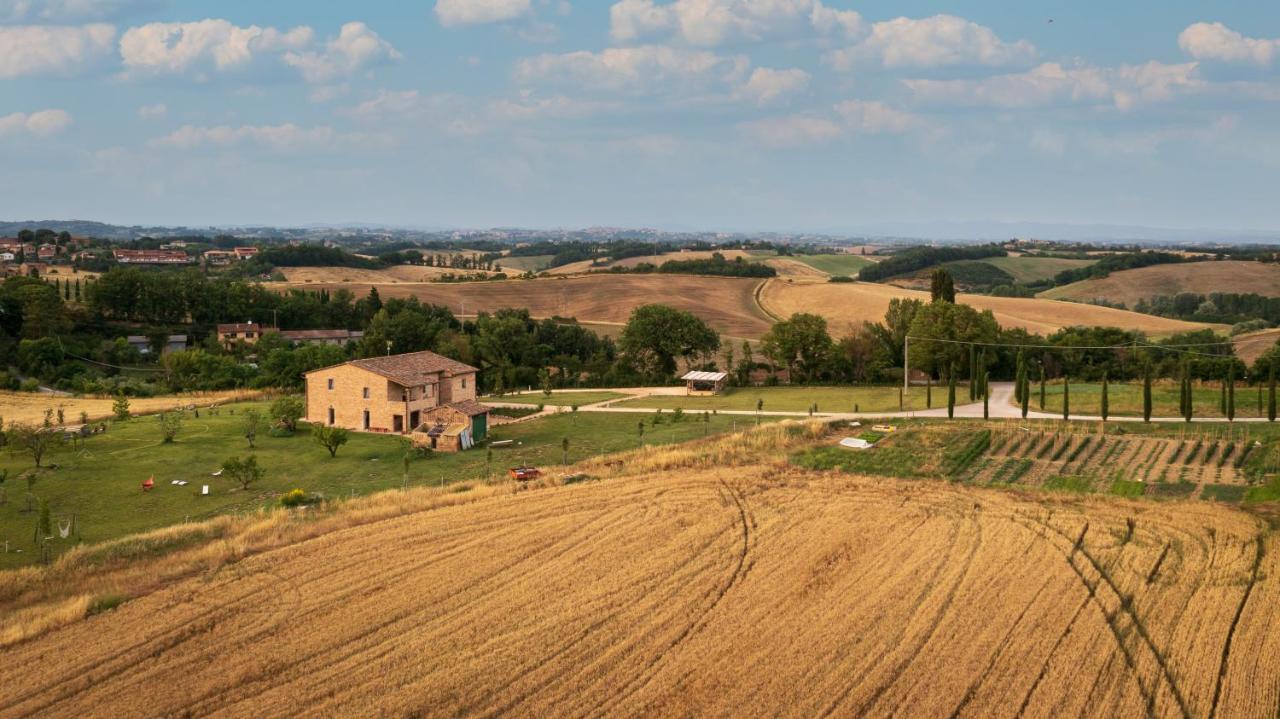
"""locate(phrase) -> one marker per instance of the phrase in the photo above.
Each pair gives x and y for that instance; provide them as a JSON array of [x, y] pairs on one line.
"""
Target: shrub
[[840, 278], [296, 498]]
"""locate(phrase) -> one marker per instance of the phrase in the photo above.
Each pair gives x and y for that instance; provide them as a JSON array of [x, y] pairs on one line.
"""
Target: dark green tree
[[942, 287], [986, 399], [1066, 397], [1041, 388], [1146, 394], [1231, 393], [951, 392], [1105, 407]]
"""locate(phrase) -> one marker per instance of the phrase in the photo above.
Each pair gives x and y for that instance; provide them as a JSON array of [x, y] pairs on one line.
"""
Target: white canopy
[[704, 376]]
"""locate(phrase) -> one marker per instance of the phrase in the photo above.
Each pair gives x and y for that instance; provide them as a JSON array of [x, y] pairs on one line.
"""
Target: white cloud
[[713, 22], [37, 124], [1051, 83], [177, 48], [355, 49], [72, 10], [767, 85], [46, 49], [792, 130], [387, 104], [853, 117], [529, 107], [637, 70], [277, 138], [472, 12], [873, 118], [1215, 41], [153, 112], [937, 41]]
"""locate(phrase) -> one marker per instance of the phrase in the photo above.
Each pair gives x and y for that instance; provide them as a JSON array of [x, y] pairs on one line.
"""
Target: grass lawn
[[1126, 400], [842, 264], [100, 481], [565, 399], [524, 263], [796, 398], [1031, 269]]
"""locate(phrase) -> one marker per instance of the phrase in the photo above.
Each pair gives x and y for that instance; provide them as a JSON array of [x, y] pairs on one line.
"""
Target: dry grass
[[698, 580], [724, 302], [847, 305], [29, 407], [1129, 286], [1250, 347], [574, 268], [397, 274]]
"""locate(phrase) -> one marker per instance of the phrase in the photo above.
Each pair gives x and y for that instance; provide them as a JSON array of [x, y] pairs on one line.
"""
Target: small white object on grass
[[204, 489]]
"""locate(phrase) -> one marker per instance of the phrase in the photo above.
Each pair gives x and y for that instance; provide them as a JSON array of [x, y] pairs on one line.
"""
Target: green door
[[479, 427]]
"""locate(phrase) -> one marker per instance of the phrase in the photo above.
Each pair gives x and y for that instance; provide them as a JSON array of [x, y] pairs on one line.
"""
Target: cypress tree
[[1231, 394], [1105, 407], [928, 391], [1026, 396], [1146, 394], [1020, 377], [986, 397], [1066, 397], [1189, 410], [973, 372], [1182, 391], [1271, 394], [951, 392], [1041, 388], [1222, 402]]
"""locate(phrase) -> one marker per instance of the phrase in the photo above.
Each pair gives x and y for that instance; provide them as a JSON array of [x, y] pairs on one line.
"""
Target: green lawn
[[842, 264], [524, 263], [1032, 269], [100, 482], [795, 398], [1126, 400], [565, 399]]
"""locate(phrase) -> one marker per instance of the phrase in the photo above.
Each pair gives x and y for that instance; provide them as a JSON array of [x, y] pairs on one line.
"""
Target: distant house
[[7, 256], [142, 343], [322, 337], [47, 253], [244, 253], [246, 332], [219, 257], [151, 257], [422, 394]]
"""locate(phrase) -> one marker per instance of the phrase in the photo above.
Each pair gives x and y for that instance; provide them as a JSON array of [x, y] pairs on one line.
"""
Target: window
[[464, 382], [330, 387], [366, 393], [330, 412]]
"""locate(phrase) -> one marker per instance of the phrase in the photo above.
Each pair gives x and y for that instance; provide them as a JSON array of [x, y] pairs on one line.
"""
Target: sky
[[770, 115]]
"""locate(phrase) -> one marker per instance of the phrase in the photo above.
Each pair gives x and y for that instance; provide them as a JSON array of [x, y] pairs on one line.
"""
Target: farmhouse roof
[[470, 407], [321, 334], [411, 369], [704, 376]]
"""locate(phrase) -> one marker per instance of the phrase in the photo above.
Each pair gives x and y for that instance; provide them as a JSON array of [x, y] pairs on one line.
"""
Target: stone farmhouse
[[426, 396]]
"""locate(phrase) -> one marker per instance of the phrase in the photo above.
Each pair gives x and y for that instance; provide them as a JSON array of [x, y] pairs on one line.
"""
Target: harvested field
[[1029, 268], [1250, 347], [846, 305], [574, 268], [1129, 286], [390, 275], [685, 587], [846, 264], [29, 407], [726, 303]]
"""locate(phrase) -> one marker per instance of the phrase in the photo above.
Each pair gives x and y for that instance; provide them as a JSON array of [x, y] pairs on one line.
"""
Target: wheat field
[[1130, 286], [685, 585], [847, 305]]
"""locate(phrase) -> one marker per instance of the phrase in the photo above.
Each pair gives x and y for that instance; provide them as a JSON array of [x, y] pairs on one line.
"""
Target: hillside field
[[1028, 268], [30, 407], [1130, 286], [714, 579], [841, 264], [847, 305], [1249, 347], [574, 268], [726, 303]]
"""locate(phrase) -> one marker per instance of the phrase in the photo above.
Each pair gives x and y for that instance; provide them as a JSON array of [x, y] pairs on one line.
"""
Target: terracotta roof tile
[[414, 368]]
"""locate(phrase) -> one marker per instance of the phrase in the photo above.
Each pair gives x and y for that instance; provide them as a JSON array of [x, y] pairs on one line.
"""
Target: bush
[[840, 278], [29, 384], [296, 498]]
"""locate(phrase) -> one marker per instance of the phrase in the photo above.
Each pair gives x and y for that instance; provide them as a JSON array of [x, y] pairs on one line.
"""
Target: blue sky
[[708, 114]]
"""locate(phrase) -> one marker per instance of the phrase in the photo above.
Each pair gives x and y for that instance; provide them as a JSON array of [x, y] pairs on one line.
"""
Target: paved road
[[1001, 406]]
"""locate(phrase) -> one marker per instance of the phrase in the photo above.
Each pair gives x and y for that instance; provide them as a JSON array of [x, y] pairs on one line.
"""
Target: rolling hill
[[847, 305], [1130, 286], [707, 580]]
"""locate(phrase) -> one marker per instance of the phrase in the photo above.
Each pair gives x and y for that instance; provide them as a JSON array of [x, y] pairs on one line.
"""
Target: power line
[[1125, 345]]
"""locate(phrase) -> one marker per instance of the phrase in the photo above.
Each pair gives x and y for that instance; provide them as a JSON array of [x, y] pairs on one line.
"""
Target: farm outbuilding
[[704, 383]]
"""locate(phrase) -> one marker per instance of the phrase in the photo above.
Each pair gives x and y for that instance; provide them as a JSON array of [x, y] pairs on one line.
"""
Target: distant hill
[[1130, 286]]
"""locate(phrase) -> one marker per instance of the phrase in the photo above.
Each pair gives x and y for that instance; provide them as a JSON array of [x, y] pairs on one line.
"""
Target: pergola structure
[[704, 383]]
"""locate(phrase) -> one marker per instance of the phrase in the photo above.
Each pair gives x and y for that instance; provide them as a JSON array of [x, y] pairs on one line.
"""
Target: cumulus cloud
[[937, 41], [473, 12], [1215, 41], [1051, 84], [355, 49], [713, 22], [766, 85], [52, 50], [72, 10], [852, 117], [37, 124], [153, 112], [637, 70], [179, 47], [276, 138]]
